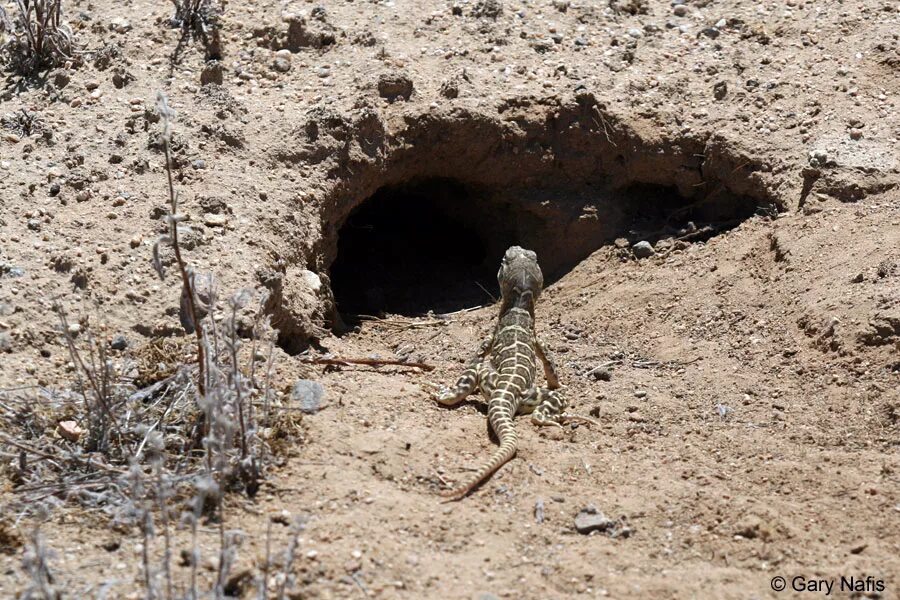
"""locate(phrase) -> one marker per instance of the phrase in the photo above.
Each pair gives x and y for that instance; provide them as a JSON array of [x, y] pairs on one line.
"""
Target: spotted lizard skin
[[505, 368]]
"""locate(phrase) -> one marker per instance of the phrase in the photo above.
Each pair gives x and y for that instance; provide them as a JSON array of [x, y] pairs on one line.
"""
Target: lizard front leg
[[549, 367], [470, 379]]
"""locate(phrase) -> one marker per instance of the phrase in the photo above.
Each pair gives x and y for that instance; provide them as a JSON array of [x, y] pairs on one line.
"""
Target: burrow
[[415, 215]]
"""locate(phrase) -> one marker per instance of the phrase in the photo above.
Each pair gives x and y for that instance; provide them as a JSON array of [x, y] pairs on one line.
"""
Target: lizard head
[[520, 278]]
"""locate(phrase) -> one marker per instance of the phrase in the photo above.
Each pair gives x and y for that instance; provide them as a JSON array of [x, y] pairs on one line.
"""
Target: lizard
[[505, 367]]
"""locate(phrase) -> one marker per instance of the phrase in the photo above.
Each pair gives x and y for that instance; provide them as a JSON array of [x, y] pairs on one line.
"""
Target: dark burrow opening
[[434, 245], [412, 248]]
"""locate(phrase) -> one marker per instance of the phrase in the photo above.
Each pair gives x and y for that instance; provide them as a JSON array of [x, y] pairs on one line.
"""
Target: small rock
[[601, 374], [818, 158], [281, 64], [635, 33], [640, 394], [121, 78], [69, 430], [120, 25], [680, 10], [212, 73], [720, 90], [308, 394], [643, 249], [856, 134], [449, 89], [393, 86], [54, 189], [199, 164], [211, 220], [34, 224], [590, 519], [710, 32], [61, 79], [120, 342]]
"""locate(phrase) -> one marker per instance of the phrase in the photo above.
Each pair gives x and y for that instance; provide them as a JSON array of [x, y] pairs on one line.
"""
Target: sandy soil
[[746, 380]]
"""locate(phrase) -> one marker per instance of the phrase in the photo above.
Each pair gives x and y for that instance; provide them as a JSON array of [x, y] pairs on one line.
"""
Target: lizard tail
[[503, 454]]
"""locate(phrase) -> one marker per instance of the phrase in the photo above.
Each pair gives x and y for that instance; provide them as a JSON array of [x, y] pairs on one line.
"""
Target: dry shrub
[[40, 37]]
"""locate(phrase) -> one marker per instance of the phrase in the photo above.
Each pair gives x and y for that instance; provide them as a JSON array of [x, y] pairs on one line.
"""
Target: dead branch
[[372, 362]]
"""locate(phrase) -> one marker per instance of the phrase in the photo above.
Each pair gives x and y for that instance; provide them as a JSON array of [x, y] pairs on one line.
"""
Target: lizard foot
[[566, 418]]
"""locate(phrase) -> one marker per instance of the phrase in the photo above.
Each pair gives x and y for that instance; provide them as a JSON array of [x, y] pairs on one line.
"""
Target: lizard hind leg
[[465, 385], [469, 381], [545, 405]]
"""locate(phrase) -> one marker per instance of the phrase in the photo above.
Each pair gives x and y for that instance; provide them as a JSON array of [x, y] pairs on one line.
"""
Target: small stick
[[8, 440], [375, 362]]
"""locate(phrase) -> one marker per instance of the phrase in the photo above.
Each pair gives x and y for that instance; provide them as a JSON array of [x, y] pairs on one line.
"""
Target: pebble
[[213, 220], [635, 33], [680, 10], [281, 64], [720, 90], [120, 342], [818, 158], [640, 394], [643, 249], [856, 134], [308, 394], [120, 25], [590, 519]]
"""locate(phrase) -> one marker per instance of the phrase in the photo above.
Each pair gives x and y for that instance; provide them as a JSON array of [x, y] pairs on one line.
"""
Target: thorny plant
[[40, 38]]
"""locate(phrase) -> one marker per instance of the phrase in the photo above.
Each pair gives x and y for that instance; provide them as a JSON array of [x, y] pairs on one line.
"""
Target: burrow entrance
[[417, 212], [435, 244]]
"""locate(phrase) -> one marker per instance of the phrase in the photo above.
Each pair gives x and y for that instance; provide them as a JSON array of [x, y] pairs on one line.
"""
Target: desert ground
[[713, 191]]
